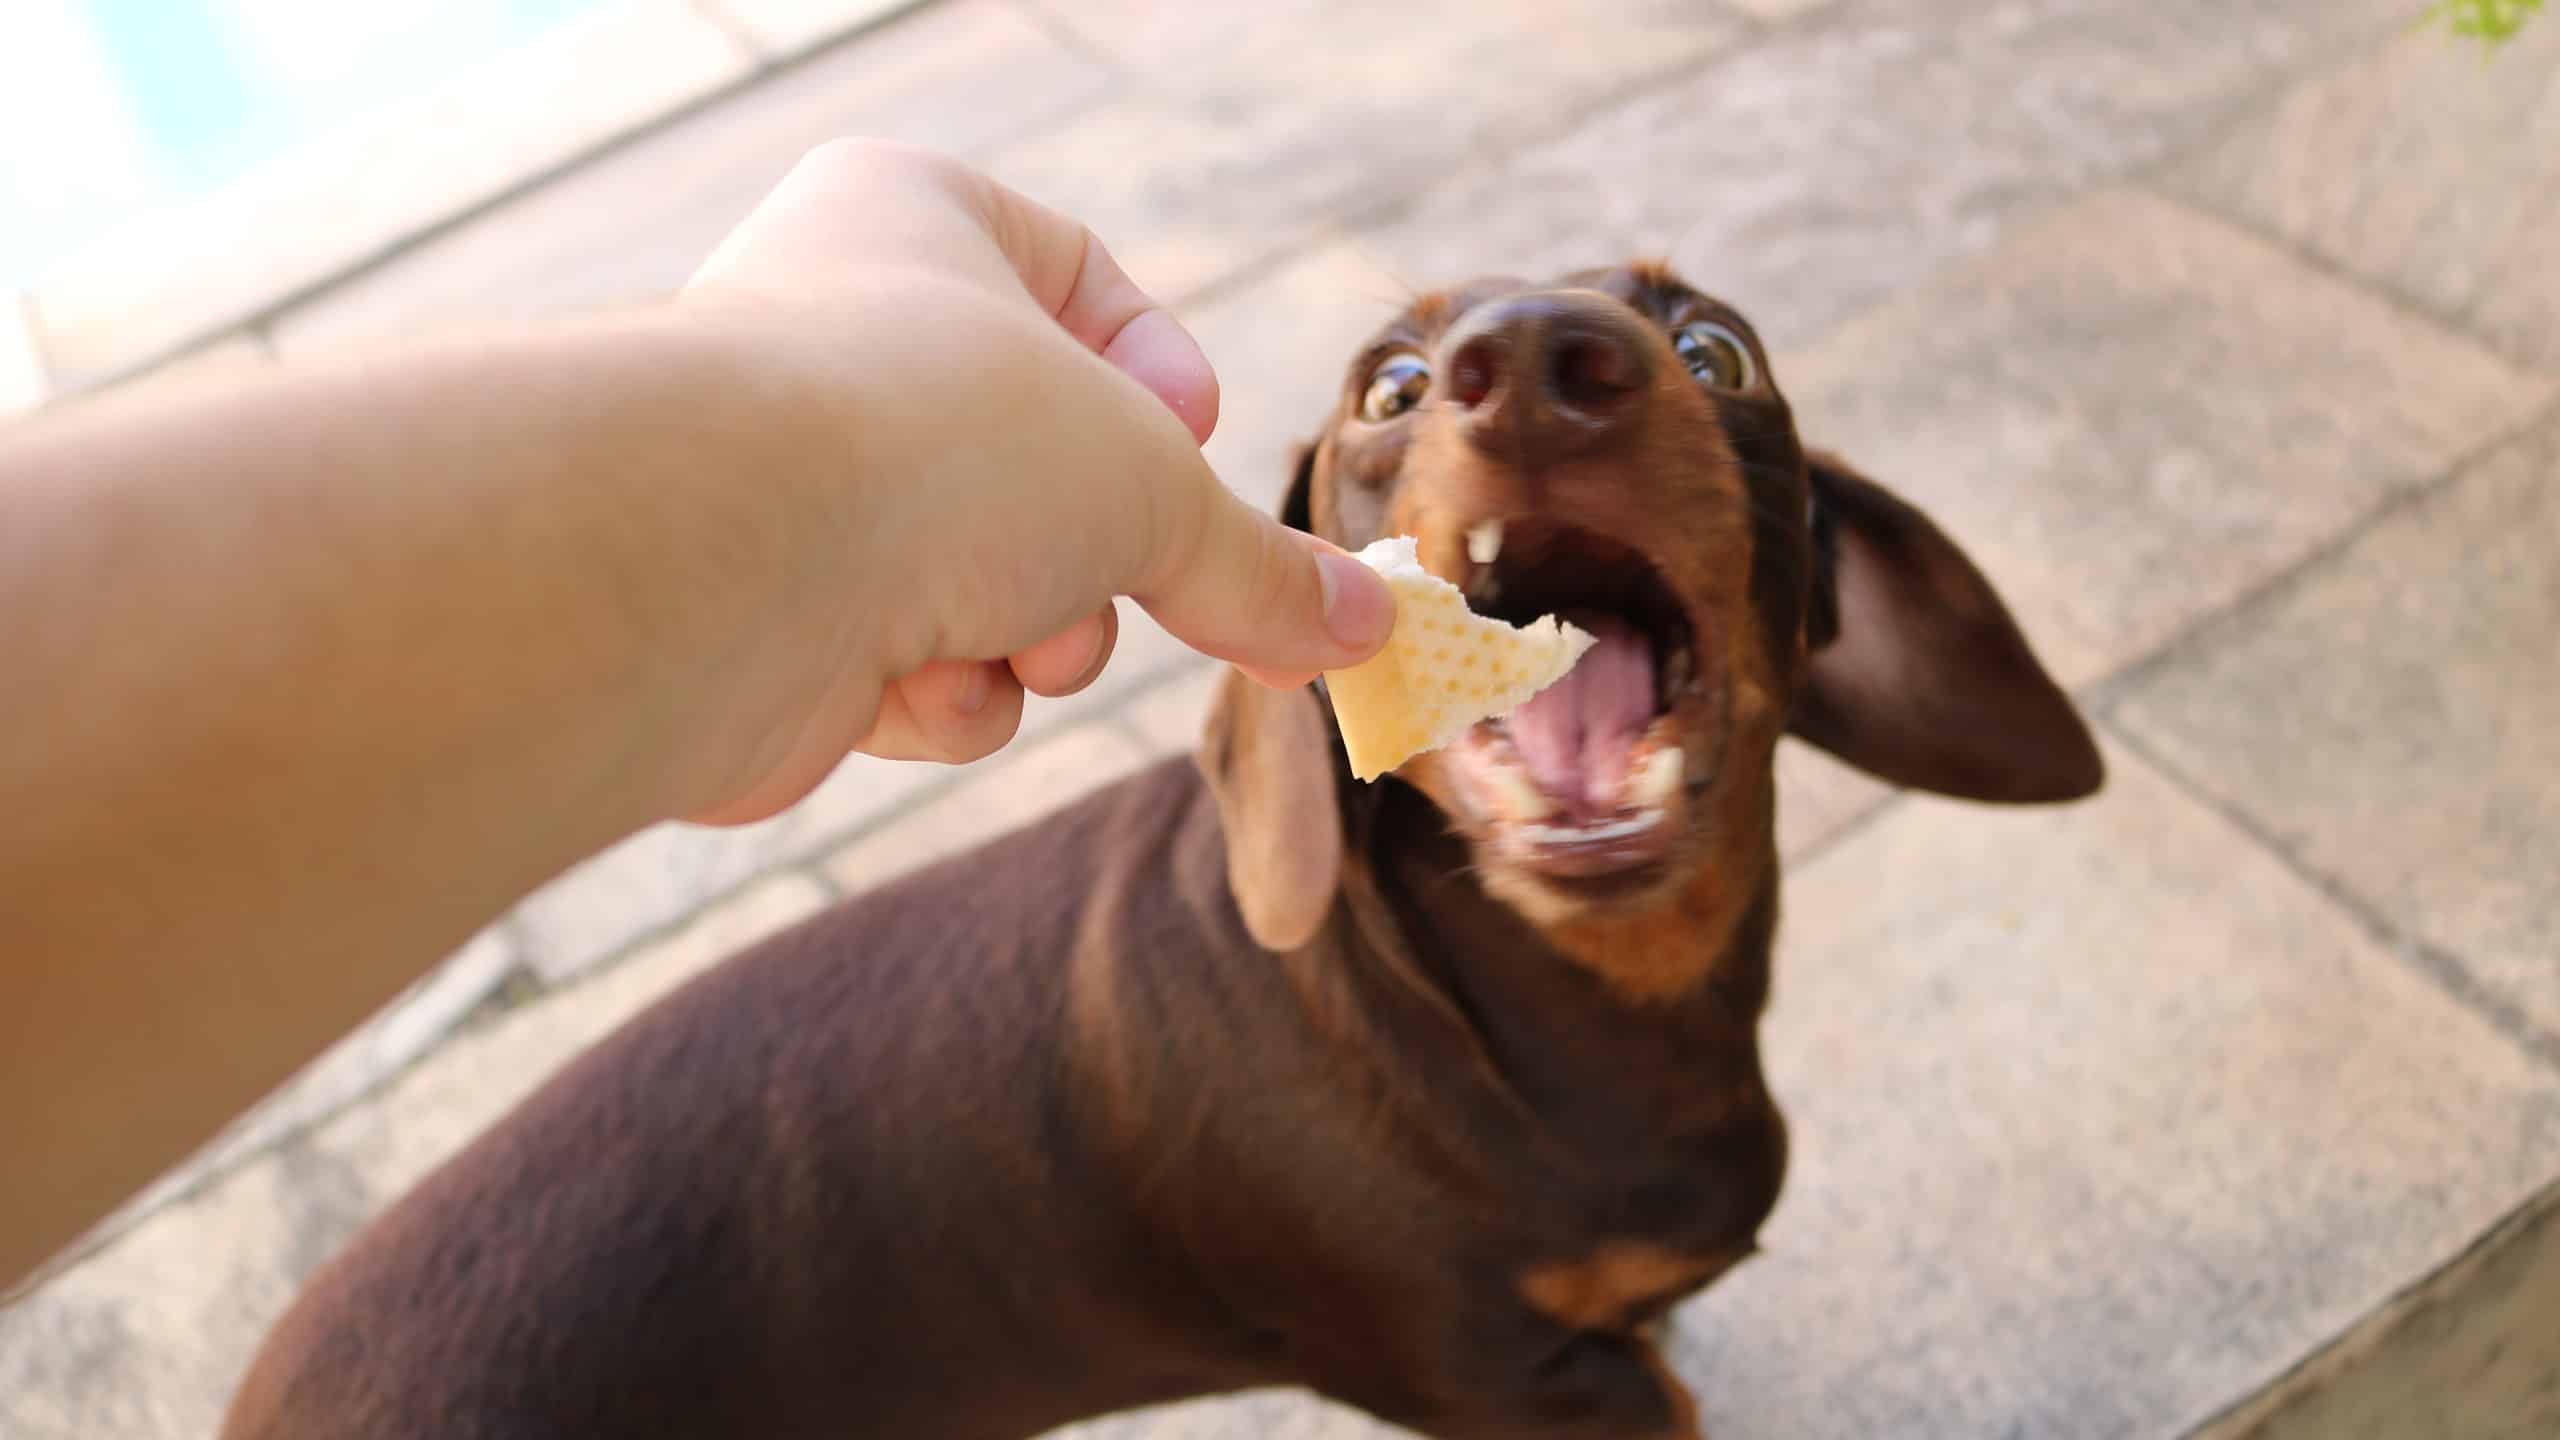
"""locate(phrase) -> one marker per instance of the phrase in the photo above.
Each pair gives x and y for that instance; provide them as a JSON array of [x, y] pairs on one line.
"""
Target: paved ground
[[2227, 337]]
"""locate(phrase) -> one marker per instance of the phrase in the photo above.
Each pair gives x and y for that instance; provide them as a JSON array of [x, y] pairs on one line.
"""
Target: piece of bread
[[1445, 667]]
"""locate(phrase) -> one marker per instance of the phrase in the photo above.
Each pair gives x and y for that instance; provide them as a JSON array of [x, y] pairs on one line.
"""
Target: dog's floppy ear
[[1917, 673], [1269, 756]]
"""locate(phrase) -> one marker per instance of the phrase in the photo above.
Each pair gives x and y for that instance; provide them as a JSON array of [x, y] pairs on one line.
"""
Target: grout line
[[818, 874], [810, 853], [2158, 179], [614, 956], [2339, 1356], [1070, 39], [30, 325], [2097, 696], [1357, 219], [1756, 25], [2144, 174], [2102, 699], [1108, 715], [1119, 723], [2107, 693], [2403, 305], [2325, 61], [1401, 195], [717, 16], [1254, 269], [1848, 829], [31, 329], [2442, 967], [149, 1201]]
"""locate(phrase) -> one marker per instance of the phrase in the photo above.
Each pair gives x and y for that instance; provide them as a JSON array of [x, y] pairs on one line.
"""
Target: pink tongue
[[1576, 735]]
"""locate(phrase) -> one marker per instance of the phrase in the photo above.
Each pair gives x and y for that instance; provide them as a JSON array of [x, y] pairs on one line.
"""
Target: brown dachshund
[[1429, 1095]]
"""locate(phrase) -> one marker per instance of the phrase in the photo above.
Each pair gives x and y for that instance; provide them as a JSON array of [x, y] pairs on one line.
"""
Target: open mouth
[[1585, 779]]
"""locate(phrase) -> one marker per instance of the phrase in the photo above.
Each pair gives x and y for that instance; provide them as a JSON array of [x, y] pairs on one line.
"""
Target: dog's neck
[[1615, 1031]]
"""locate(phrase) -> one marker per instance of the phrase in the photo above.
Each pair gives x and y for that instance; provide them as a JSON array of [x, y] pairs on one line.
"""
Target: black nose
[[1543, 377]]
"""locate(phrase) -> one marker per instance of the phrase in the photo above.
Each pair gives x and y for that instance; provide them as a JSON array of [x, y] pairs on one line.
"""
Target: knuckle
[[844, 156], [867, 157], [985, 733], [1274, 577]]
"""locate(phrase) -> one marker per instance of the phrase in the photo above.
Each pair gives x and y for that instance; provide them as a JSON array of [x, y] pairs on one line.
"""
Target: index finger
[[1072, 275], [1053, 257], [852, 203]]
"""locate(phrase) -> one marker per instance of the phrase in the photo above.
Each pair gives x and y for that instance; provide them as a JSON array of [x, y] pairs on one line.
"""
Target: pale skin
[[310, 676]]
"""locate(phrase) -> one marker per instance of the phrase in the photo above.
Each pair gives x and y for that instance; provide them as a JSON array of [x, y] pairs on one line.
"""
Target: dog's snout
[[1542, 377]]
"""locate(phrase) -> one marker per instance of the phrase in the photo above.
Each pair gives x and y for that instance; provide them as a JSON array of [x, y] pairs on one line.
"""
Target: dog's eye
[[1715, 355], [1395, 386]]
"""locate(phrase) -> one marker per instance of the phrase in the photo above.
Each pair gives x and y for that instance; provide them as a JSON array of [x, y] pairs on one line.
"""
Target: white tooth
[[1653, 781], [1635, 824], [1519, 799], [1484, 542]]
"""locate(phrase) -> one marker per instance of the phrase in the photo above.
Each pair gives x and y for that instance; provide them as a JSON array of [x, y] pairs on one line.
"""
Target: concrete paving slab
[[999, 794], [1819, 798], [2101, 1120], [145, 1340], [788, 27], [2471, 1353], [412, 1025], [2388, 720], [1167, 718], [632, 225], [2130, 414], [1144, 654], [591, 912], [1778, 9], [2421, 166], [1281, 344], [442, 1104], [1247, 129], [1839, 162]]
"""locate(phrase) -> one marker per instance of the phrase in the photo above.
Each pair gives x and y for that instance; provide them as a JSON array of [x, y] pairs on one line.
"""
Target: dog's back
[[714, 1222]]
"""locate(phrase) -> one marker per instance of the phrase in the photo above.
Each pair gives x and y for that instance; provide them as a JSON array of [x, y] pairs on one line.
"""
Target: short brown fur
[[1617, 1287]]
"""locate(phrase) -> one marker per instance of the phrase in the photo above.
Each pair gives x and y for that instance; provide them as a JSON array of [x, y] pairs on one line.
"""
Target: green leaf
[[2493, 22]]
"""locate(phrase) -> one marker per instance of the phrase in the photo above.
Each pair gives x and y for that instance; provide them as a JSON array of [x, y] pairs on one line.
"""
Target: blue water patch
[[208, 90]]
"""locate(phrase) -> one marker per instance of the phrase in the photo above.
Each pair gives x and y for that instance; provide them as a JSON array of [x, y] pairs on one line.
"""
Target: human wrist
[[766, 573]]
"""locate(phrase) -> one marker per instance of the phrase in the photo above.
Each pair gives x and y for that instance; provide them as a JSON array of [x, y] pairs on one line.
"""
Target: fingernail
[[1359, 610], [1093, 667], [974, 689]]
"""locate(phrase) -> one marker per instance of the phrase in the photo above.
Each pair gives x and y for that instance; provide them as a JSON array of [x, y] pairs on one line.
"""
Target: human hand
[[1023, 430]]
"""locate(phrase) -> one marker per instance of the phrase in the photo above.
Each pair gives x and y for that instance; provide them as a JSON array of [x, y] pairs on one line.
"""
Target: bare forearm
[[306, 682]]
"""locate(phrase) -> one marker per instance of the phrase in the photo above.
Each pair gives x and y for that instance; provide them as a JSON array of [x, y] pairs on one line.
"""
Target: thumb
[[1278, 603]]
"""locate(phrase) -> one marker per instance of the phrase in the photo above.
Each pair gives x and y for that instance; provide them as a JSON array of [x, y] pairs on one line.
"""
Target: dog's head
[[1614, 449]]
